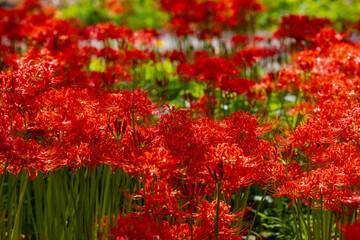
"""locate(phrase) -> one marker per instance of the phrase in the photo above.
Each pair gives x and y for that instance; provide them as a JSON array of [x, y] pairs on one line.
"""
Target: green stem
[[217, 211], [39, 196], [31, 214], [302, 220], [15, 233], [297, 228], [257, 211], [191, 225]]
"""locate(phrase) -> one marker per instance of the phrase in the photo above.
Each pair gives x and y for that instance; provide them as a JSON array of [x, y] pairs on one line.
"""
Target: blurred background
[[139, 14]]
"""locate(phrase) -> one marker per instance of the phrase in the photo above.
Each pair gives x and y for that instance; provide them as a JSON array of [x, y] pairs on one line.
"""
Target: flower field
[[202, 122]]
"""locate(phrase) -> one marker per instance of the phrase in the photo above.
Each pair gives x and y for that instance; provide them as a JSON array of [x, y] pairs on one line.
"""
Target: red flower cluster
[[70, 97], [318, 162], [301, 28], [209, 18]]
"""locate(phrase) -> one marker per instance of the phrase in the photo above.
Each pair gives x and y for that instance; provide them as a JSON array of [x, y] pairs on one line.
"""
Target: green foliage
[[87, 12], [145, 14], [339, 11], [141, 14], [275, 219], [97, 65]]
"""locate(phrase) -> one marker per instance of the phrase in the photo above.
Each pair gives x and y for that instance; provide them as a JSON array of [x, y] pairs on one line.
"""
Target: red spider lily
[[103, 31], [134, 57], [71, 120], [192, 191], [211, 18], [144, 37], [109, 54], [176, 131], [205, 105], [25, 148], [178, 7], [209, 70], [211, 151], [28, 79], [240, 39], [326, 37], [184, 15], [268, 83], [345, 54], [146, 227], [187, 139], [326, 160], [206, 220], [156, 162], [228, 165], [175, 55], [53, 34], [232, 14], [181, 27], [120, 128], [126, 103], [74, 121], [66, 65], [324, 76], [160, 201], [14, 21], [151, 219], [351, 231], [334, 67], [324, 186], [300, 27], [114, 7], [244, 130], [201, 54], [237, 85], [247, 56], [109, 78]]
